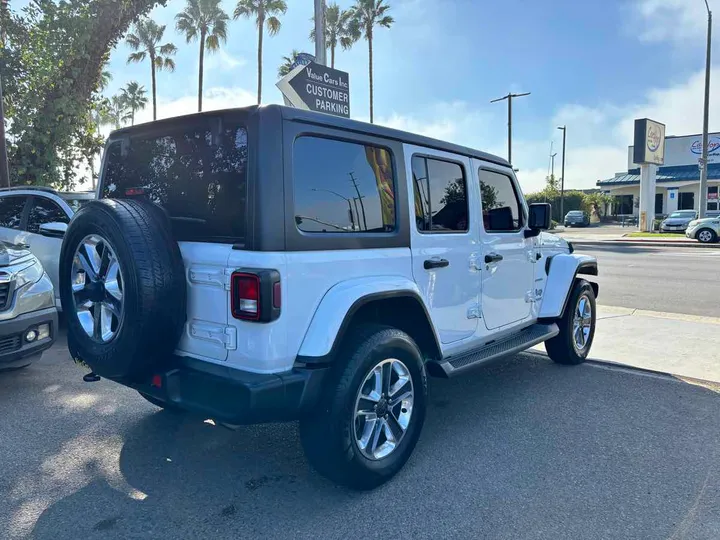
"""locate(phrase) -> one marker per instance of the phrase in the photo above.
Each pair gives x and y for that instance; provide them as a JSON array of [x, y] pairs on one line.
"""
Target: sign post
[[314, 87], [649, 152]]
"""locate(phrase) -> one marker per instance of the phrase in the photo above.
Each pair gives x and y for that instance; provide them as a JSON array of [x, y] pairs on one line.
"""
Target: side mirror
[[54, 229], [538, 219]]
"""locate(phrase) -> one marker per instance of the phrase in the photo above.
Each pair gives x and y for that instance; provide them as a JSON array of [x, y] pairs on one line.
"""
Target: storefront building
[[678, 180]]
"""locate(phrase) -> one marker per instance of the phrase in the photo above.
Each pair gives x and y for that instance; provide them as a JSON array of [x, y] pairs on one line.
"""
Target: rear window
[[196, 172]]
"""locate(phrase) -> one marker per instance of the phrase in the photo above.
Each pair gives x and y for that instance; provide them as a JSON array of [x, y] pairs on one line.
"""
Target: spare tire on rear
[[122, 287]]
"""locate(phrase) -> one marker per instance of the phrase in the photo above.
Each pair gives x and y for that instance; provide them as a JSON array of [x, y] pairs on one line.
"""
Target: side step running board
[[513, 344]]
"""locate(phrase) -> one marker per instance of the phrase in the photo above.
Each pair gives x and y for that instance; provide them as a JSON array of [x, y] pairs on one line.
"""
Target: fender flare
[[333, 315], [562, 269]]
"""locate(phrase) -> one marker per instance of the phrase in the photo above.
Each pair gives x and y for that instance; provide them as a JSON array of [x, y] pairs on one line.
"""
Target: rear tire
[[706, 236], [122, 285], [577, 327], [354, 439]]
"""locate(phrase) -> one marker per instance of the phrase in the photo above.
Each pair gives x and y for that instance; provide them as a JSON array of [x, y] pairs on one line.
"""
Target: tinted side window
[[342, 187], [11, 211], [500, 205], [440, 195], [44, 211]]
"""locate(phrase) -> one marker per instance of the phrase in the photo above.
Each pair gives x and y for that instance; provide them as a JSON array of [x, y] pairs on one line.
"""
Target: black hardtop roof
[[322, 119]]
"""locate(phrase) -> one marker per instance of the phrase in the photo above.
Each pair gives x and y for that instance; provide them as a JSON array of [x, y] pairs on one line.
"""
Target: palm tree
[[365, 16], [205, 21], [146, 41], [134, 98], [264, 11], [287, 65], [114, 112], [105, 78], [338, 30]]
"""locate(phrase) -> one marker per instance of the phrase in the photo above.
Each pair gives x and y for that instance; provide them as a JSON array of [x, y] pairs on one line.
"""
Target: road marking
[[607, 312], [686, 254]]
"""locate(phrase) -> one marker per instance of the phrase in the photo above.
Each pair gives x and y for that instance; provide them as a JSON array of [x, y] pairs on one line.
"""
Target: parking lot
[[522, 449]]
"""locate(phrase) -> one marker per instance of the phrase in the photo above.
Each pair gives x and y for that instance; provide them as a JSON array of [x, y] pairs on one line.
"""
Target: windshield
[[196, 172], [683, 214], [575, 213]]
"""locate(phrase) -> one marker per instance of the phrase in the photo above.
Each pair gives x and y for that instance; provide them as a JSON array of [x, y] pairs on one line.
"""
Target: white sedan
[[38, 217], [706, 231]]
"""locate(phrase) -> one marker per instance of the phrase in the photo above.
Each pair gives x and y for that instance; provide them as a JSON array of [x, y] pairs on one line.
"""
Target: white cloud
[[214, 98], [455, 122], [222, 60], [671, 20]]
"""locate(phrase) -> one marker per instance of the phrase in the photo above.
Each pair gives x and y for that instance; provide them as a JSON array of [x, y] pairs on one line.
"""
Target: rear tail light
[[255, 295], [246, 296]]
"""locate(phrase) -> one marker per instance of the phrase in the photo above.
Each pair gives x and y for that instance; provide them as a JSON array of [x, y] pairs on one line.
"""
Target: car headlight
[[29, 272], [693, 223]]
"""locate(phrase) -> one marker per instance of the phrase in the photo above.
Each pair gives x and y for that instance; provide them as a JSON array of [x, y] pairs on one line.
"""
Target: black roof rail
[[23, 188]]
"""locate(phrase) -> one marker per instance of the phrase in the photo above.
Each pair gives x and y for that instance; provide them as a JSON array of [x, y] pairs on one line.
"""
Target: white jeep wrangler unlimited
[[271, 264]]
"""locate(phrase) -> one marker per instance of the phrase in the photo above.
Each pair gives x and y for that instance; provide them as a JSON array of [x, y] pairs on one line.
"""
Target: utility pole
[[320, 50], [4, 170], [350, 212], [360, 198], [509, 98], [706, 114], [562, 179]]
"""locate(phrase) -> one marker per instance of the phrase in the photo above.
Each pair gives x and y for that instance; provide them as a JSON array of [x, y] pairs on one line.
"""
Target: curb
[[591, 362], [643, 243]]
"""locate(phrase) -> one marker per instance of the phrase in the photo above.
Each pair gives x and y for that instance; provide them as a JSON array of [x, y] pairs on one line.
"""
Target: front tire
[[706, 236], [372, 412], [577, 327]]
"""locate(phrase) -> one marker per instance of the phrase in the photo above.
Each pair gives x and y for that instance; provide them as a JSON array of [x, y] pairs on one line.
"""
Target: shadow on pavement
[[524, 449], [629, 248]]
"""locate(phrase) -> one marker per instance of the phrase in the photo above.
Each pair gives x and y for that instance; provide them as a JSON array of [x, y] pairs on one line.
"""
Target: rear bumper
[[234, 396], [14, 350]]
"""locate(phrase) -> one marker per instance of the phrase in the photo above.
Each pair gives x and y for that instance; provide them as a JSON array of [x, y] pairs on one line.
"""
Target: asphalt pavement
[[666, 279], [524, 449]]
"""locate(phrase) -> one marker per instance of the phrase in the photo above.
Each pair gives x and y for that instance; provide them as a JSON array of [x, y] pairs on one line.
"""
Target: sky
[[592, 65]]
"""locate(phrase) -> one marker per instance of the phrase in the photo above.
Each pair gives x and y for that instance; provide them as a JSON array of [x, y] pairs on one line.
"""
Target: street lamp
[[509, 98], [706, 114], [562, 179], [350, 212]]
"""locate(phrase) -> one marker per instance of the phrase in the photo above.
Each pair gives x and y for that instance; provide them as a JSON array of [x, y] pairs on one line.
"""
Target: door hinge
[[474, 262], [473, 312], [226, 336], [209, 275]]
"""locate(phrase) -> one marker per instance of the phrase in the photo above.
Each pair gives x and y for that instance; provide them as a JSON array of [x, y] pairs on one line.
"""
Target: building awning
[[682, 173]]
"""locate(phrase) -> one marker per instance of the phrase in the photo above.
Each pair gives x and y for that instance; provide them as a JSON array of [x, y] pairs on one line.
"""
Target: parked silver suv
[[28, 318]]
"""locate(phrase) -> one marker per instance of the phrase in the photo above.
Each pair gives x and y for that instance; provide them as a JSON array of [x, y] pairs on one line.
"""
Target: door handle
[[493, 258], [436, 263]]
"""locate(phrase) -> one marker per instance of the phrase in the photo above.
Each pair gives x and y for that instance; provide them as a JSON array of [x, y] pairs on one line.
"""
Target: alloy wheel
[[383, 409], [97, 288], [582, 323], [705, 236]]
